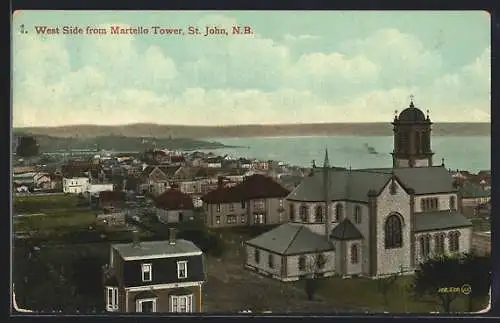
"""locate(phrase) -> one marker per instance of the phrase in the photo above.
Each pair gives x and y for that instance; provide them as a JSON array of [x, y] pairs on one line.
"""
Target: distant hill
[[114, 142], [202, 132]]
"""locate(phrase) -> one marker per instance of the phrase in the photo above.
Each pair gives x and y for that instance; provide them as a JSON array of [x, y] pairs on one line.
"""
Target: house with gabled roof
[[258, 200], [378, 222]]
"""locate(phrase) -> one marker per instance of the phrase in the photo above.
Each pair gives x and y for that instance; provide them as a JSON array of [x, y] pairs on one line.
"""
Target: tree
[[27, 147], [314, 266], [435, 277], [476, 271]]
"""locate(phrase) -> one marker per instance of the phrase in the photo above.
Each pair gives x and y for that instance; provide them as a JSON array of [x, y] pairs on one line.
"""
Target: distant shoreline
[[251, 131]]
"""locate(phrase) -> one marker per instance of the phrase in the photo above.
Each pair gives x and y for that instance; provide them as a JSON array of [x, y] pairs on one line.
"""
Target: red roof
[[254, 187], [173, 199], [177, 159], [111, 196]]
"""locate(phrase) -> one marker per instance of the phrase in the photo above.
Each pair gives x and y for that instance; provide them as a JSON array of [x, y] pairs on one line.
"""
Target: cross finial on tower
[[326, 163], [411, 100]]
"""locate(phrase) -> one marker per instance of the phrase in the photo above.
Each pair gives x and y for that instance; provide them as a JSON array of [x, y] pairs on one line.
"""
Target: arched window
[[452, 203], [318, 214], [439, 243], [354, 254], [357, 214], [417, 142], [393, 232], [425, 246], [292, 212], [339, 210], [454, 241], [304, 213]]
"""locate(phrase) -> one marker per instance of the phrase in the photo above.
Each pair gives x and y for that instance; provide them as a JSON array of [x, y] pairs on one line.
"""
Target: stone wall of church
[[421, 163], [354, 268], [443, 201], [393, 260], [464, 242], [402, 163]]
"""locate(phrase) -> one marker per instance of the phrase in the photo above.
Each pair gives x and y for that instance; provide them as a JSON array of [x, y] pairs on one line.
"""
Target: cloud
[[237, 80], [294, 38], [405, 60]]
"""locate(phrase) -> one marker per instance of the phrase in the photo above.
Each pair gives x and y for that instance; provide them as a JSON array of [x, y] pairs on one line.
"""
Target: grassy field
[[50, 213], [365, 293]]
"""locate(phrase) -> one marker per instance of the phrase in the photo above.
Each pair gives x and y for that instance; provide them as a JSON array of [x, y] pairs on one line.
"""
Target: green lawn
[[365, 293], [54, 221], [33, 204]]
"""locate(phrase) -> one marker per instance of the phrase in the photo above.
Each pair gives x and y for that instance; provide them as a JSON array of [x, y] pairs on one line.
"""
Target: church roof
[[291, 239], [412, 114], [440, 220], [354, 184], [345, 230]]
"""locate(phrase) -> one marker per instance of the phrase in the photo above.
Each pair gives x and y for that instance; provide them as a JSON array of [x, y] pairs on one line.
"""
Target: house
[[154, 276], [32, 179], [56, 182], [173, 206], [157, 177], [189, 187], [473, 195], [372, 222], [258, 200], [97, 188], [23, 169], [214, 162], [481, 243], [245, 163], [75, 185]]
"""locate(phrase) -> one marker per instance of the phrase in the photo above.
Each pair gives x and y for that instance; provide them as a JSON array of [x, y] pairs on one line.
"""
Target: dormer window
[[182, 269], [147, 272]]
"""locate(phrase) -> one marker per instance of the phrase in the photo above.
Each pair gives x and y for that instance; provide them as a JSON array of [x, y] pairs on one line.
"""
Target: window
[[454, 241], [393, 232], [258, 218], [146, 305], [302, 263], [231, 219], [429, 204], [112, 299], [182, 269], [425, 246], [394, 188], [270, 261], [231, 207], [320, 261], [452, 203], [339, 210], [256, 255], [217, 219], [258, 204], [218, 207], [292, 212], [243, 218], [357, 214], [147, 272], [243, 204], [318, 214], [304, 213], [439, 240], [354, 254], [181, 304], [281, 203]]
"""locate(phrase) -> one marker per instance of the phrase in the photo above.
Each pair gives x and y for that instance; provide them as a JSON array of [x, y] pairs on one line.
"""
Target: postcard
[[277, 162]]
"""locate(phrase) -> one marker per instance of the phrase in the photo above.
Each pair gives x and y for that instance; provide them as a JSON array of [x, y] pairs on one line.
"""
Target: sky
[[294, 67]]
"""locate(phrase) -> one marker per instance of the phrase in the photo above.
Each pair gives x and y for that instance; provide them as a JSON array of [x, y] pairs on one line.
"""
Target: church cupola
[[412, 138]]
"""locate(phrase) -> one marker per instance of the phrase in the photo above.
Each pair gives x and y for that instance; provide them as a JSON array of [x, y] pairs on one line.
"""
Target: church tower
[[412, 138], [326, 195]]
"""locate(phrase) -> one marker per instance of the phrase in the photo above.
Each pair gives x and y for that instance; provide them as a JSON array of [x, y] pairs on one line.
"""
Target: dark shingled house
[[155, 276]]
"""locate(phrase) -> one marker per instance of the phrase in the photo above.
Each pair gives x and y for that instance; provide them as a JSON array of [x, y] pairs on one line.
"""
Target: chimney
[[171, 236], [135, 238]]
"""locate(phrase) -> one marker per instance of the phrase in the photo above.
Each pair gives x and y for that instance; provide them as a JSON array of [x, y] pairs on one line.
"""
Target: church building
[[368, 222]]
